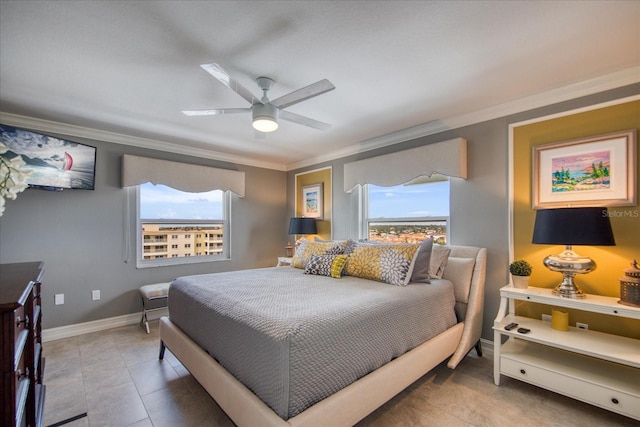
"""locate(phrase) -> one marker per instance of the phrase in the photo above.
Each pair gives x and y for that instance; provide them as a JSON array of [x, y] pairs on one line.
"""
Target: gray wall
[[479, 206], [80, 234], [80, 237]]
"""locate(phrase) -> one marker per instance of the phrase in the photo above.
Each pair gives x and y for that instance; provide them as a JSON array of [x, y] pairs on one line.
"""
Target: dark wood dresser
[[21, 358]]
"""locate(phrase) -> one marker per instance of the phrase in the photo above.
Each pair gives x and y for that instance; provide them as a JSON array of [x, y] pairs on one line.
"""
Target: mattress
[[294, 339]]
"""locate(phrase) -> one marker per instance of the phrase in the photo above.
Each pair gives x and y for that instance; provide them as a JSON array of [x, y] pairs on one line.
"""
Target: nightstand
[[284, 260], [595, 367]]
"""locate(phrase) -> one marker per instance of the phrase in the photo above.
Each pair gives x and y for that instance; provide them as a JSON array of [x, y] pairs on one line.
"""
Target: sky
[[409, 200], [159, 201]]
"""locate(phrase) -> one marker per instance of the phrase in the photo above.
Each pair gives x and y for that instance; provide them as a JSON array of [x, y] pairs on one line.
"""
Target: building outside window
[[193, 219], [408, 213]]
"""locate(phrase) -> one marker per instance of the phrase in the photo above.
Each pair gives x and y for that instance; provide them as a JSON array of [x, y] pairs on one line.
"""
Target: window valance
[[181, 176], [445, 158]]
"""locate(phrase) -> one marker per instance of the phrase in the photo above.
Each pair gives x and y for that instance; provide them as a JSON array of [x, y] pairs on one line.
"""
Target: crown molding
[[47, 126], [576, 90]]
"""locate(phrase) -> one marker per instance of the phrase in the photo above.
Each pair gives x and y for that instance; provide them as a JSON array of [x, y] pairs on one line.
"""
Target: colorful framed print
[[312, 206], [595, 171]]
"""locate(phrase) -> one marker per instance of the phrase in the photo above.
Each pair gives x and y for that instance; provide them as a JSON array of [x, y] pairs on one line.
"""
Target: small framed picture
[[312, 206], [595, 171]]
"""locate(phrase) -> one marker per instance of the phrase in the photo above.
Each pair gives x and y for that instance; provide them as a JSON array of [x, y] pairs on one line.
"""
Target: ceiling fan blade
[[315, 89], [216, 112], [301, 120], [223, 77]]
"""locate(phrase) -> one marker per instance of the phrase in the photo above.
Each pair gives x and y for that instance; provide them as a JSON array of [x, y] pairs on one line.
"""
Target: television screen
[[54, 163]]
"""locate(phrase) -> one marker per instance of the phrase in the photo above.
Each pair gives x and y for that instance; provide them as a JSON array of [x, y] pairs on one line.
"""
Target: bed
[[303, 364]]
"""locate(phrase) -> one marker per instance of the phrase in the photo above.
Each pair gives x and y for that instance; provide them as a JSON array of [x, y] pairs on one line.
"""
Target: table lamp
[[302, 225], [572, 226]]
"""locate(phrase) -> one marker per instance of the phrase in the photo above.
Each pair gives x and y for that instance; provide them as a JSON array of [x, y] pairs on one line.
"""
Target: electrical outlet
[[582, 325], [59, 299], [546, 318], [95, 295]]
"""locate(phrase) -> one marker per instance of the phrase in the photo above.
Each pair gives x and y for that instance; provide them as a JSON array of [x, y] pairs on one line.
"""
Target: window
[[193, 219], [406, 213]]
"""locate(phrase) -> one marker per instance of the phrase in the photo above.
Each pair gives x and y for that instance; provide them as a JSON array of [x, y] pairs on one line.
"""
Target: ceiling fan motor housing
[[265, 117], [265, 83]]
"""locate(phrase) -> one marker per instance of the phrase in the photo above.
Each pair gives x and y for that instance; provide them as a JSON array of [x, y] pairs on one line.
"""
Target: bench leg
[[143, 321], [147, 303]]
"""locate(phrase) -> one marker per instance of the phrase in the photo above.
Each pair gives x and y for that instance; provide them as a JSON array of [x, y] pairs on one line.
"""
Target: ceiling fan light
[[262, 124], [265, 117]]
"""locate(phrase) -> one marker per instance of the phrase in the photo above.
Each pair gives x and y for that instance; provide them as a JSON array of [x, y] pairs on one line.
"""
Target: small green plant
[[520, 267]]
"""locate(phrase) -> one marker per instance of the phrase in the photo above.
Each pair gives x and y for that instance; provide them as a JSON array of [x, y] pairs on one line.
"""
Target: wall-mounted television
[[55, 163]]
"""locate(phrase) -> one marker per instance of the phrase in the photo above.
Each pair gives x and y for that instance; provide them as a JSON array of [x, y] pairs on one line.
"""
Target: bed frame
[[354, 402]]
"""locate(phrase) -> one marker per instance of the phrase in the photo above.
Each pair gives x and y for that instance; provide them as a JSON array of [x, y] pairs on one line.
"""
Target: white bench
[[152, 296]]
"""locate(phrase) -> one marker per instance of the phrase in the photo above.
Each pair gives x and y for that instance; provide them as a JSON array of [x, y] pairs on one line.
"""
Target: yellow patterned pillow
[[308, 248], [384, 263]]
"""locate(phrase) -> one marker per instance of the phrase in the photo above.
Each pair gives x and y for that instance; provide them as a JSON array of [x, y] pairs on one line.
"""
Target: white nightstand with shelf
[[595, 367], [284, 260]]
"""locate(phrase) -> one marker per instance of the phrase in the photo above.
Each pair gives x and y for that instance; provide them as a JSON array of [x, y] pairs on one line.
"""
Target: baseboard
[[74, 330], [487, 348]]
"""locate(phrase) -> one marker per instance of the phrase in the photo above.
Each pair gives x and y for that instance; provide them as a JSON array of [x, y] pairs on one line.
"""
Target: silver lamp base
[[568, 289], [569, 264]]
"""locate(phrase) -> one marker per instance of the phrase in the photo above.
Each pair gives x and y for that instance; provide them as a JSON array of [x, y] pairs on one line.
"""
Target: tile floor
[[116, 378]]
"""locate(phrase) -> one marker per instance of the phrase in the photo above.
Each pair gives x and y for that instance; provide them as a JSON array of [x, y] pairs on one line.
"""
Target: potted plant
[[520, 271]]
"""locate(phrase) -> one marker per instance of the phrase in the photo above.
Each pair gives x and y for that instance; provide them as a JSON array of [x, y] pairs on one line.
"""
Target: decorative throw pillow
[[420, 272], [460, 271], [308, 248], [339, 247], [326, 265], [347, 245], [384, 263], [439, 257]]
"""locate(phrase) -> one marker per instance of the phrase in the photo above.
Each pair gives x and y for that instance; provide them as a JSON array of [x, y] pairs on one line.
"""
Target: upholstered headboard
[[466, 268]]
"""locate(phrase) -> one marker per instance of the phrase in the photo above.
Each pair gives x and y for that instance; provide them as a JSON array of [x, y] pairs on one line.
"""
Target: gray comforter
[[294, 339]]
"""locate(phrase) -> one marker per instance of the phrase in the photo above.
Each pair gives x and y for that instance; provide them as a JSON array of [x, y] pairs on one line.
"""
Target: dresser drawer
[[21, 360], [21, 374], [596, 394], [19, 322], [37, 296]]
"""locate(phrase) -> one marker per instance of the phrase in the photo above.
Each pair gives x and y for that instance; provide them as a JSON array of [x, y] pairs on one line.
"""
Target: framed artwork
[[312, 206], [595, 171]]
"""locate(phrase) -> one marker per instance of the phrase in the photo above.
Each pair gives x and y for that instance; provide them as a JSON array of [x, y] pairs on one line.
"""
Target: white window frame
[[160, 262], [364, 220]]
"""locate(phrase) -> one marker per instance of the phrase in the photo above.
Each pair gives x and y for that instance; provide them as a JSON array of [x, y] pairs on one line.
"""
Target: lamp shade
[[298, 225], [573, 226]]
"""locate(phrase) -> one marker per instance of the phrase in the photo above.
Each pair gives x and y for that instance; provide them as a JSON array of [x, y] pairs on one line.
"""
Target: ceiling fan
[[265, 112]]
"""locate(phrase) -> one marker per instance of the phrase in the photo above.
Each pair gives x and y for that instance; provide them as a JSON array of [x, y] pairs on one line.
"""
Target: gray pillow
[[423, 262]]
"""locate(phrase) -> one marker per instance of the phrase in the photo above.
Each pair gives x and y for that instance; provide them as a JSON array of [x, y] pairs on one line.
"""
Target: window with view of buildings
[[196, 224], [407, 213]]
